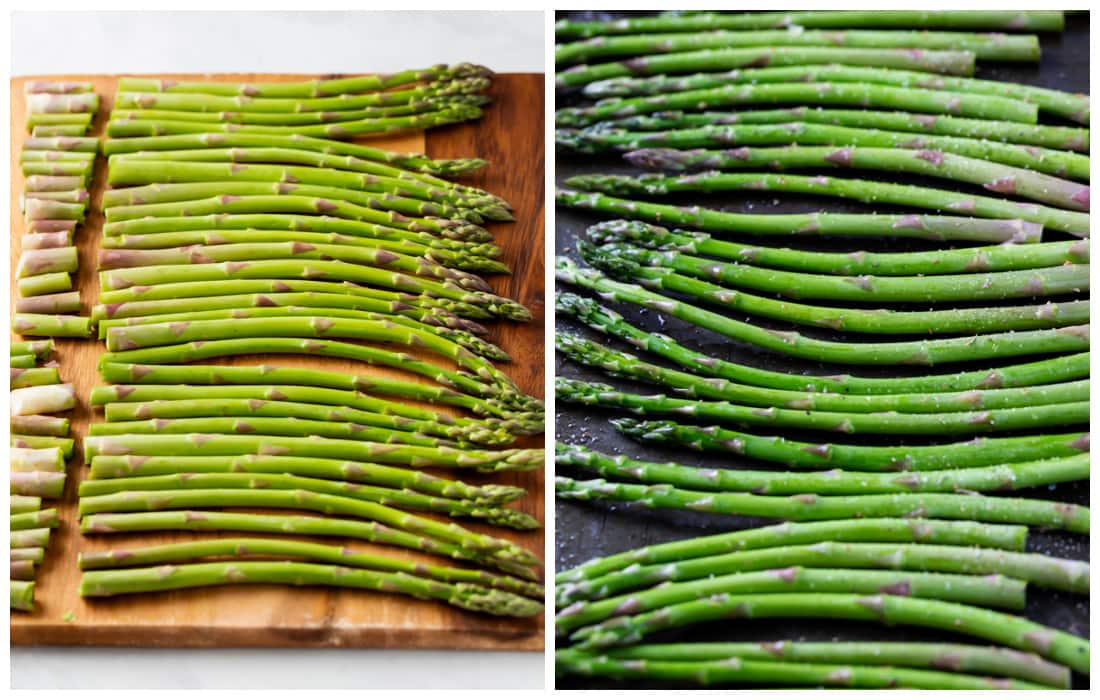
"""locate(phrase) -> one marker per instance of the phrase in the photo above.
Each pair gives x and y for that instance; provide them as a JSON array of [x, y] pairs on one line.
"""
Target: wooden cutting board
[[510, 137]]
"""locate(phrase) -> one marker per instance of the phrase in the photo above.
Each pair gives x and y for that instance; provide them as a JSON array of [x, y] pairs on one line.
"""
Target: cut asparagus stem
[[921, 352], [950, 62], [130, 468], [867, 191], [965, 658], [604, 320], [736, 670], [1003, 477], [82, 120], [58, 130], [22, 595], [60, 303], [54, 326], [40, 441], [1052, 162], [34, 520], [1022, 511], [19, 504], [50, 398], [33, 376], [30, 538], [620, 364], [50, 283], [51, 226], [503, 517], [979, 452], [1009, 630], [935, 228], [38, 348], [180, 576], [992, 176], [1073, 107], [22, 570], [34, 554], [22, 362], [63, 103], [207, 521], [487, 549], [948, 261], [575, 584], [195, 550], [87, 144], [409, 161], [38, 483], [1043, 135], [51, 426], [1003, 20], [49, 459], [169, 445]]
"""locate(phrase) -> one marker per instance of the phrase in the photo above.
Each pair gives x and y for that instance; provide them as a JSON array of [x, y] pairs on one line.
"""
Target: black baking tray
[[588, 530]]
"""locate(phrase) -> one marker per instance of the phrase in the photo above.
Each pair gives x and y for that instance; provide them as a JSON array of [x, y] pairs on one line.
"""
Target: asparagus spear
[[46, 398], [978, 452], [19, 504], [46, 484], [61, 326], [33, 460], [950, 62], [34, 519], [1066, 105], [645, 266], [83, 120], [992, 176], [286, 482], [215, 445], [33, 376], [773, 673], [38, 348], [45, 261], [348, 112], [1003, 20], [22, 595], [488, 550], [87, 144], [58, 130], [987, 47], [965, 658], [922, 352], [317, 470], [947, 261], [414, 162], [1022, 511], [81, 169], [621, 364], [307, 88], [176, 577], [39, 537], [60, 303], [51, 426], [1053, 162], [341, 556], [576, 584], [51, 226], [340, 130], [22, 362], [40, 441], [867, 191], [206, 521], [936, 228], [1003, 477]]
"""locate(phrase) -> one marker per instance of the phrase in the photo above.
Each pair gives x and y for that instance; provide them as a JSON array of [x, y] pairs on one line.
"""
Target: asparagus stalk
[[950, 62], [1008, 630], [1052, 162], [38, 483], [1066, 105], [921, 352], [488, 550], [947, 261], [576, 584], [51, 226], [307, 88], [1043, 135], [33, 460], [47, 398], [991, 176], [83, 120], [206, 521], [47, 260], [399, 498], [413, 162], [58, 130], [736, 670], [38, 348], [61, 326], [452, 114], [33, 520], [1003, 477], [22, 595], [40, 441], [867, 191], [22, 362], [979, 452], [34, 376], [309, 117], [176, 577], [692, 275], [62, 103], [87, 144], [621, 364], [316, 470], [32, 554], [60, 303], [341, 556], [29, 538], [49, 426], [1022, 511], [22, 570], [964, 658], [19, 504], [936, 228], [218, 445], [1003, 20]]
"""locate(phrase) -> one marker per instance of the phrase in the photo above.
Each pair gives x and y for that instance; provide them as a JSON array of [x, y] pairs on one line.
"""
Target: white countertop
[[287, 42]]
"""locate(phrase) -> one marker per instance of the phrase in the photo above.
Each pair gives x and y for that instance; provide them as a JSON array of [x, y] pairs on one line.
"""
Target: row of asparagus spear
[[38, 455], [238, 223], [912, 526]]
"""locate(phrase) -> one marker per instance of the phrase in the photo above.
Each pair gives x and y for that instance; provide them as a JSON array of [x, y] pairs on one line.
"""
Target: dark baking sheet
[[587, 530]]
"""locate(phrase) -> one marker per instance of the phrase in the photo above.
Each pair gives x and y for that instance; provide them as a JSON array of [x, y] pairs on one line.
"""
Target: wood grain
[[510, 137]]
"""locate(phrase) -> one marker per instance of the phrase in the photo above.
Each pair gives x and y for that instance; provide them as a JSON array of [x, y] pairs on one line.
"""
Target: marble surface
[[91, 42]]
